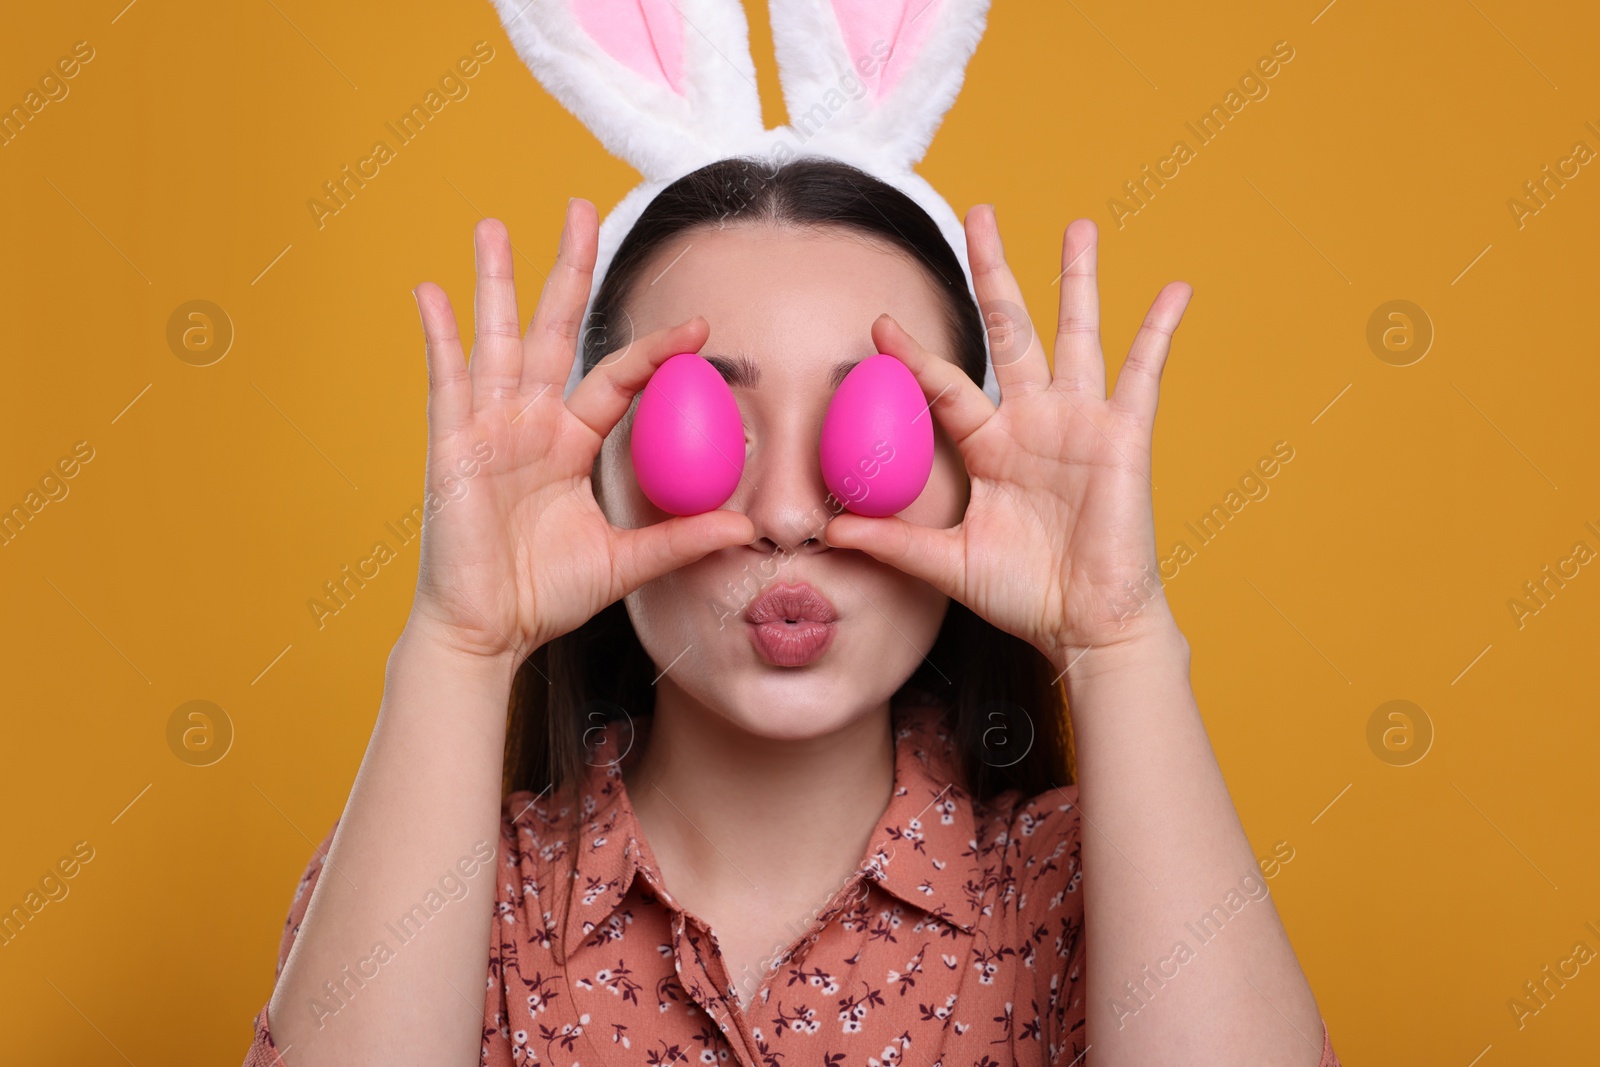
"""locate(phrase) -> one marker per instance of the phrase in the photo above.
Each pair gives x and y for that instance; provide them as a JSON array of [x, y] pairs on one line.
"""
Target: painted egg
[[688, 440], [877, 438]]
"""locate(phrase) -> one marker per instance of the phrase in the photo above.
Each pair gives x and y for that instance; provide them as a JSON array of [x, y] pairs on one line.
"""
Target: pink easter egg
[[688, 440], [877, 438]]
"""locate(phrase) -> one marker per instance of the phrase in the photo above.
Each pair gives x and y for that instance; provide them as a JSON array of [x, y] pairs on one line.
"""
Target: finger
[[1140, 378], [648, 552], [1080, 362], [449, 387], [935, 556], [959, 403], [552, 341], [496, 366], [603, 395], [1014, 344]]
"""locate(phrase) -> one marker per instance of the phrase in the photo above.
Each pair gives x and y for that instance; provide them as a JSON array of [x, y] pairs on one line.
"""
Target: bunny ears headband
[[669, 86]]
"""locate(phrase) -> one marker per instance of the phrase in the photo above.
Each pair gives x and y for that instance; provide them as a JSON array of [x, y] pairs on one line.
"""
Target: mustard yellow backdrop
[[214, 403]]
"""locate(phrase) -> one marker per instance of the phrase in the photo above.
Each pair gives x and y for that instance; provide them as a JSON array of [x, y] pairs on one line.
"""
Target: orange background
[[1419, 500]]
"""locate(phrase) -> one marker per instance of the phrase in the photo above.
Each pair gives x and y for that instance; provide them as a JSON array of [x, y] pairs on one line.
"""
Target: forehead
[[784, 302]]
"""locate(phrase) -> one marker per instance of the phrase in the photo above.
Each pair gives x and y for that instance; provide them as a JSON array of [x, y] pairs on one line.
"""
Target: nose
[[783, 492]]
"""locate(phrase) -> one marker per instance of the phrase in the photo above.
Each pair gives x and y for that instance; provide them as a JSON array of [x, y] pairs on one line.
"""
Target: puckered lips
[[791, 624]]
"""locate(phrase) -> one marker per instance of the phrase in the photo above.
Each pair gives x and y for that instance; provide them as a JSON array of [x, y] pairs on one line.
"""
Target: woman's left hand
[[1057, 545]]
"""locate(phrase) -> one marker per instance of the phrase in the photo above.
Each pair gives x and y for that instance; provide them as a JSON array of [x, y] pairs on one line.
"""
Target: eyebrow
[[741, 371]]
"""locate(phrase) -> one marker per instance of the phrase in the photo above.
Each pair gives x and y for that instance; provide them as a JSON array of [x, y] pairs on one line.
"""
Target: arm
[[515, 551], [1154, 806], [263, 1052], [1058, 530], [427, 795]]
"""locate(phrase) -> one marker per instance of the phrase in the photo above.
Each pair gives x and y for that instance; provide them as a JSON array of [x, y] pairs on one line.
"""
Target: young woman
[[782, 784]]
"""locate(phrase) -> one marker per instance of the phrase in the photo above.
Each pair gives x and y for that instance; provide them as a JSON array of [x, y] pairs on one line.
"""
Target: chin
[[784, 704]]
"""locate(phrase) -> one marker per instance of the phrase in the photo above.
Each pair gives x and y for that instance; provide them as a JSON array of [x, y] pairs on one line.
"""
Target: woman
[[783, 784]]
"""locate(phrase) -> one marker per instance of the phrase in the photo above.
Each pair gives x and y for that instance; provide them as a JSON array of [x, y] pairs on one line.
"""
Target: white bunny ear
[[873, 77], [664, 84]]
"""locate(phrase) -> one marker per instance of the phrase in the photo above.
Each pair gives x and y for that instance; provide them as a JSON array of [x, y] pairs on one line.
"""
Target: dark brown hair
[[997, 691]]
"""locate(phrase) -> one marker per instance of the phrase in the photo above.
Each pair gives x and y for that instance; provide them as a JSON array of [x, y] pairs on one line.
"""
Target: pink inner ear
[[898, 29], [644, 35]]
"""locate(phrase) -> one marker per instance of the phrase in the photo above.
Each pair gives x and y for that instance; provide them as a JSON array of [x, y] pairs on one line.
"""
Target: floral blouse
[[957, 942]]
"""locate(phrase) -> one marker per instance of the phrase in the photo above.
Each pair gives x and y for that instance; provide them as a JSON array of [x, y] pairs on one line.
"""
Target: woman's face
[[791, 305]]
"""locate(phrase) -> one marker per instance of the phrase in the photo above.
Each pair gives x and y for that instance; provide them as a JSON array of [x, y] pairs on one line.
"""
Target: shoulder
[[526, 816], [1036, 845], [531, 831], [1013, 817], [1019, 841], [538, 846], [1036, 842]]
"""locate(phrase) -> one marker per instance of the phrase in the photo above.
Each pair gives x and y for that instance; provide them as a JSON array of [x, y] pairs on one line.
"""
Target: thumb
[[651, 551], [933, 555]]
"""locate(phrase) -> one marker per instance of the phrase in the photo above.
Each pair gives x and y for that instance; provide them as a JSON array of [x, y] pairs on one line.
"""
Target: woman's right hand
[[519, 552]]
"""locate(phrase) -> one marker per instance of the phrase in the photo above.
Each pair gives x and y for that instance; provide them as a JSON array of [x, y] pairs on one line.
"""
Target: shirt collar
[[923, 850]]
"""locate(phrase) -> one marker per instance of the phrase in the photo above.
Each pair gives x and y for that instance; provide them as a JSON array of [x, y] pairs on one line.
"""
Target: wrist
[[1156, 641], [426, 640], [431, 688]]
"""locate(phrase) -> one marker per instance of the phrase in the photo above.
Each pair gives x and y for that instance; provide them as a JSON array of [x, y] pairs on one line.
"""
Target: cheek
[[616, 489], [899, 628], [661, 615], [688, 606]]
